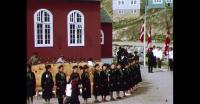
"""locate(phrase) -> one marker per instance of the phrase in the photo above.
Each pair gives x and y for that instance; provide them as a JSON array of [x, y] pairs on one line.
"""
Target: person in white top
[[61, 60], [159, 57], [171, 59], [155, 51]]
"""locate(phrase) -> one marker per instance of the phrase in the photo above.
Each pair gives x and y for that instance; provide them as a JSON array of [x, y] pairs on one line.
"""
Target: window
[[75, 28], [102, 37], [43, 28], [168, 1], [157, 1], [133, 2], [120, 11], [120, 2], [133, 11]]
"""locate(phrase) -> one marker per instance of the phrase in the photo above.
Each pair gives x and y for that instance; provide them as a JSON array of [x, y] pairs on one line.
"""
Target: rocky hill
[[128, 29]]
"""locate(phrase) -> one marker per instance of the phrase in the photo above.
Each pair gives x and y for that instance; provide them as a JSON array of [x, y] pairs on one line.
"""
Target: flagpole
[[144, 34]]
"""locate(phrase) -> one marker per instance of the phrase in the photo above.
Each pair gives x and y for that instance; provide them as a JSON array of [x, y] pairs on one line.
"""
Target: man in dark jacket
[[104, 82], [47, 84], [150, 60], [97, 82], [60, 84], [30, 84]]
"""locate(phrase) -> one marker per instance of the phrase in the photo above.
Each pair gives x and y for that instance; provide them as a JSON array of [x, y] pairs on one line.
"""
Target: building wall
[[106, 48], [127, 13], [60, 10], [127, 5], [162, 5]]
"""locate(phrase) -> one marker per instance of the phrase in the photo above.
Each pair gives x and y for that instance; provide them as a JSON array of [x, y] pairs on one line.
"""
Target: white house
[[125, 8]]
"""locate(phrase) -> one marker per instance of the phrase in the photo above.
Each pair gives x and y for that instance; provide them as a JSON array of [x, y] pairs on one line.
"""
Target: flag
[[167, 42], [142, 33], [149, 39]]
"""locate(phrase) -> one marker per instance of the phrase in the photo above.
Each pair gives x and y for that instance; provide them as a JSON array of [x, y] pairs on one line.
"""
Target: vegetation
[[128, 29]]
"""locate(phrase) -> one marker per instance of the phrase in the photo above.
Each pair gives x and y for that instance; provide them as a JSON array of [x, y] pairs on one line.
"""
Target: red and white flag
[[149, 39], [167, 43], [142, 33]]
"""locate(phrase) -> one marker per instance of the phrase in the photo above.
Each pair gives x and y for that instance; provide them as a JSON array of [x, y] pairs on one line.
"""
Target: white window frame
[[43, 28], [120, 2], [68, 28], [120, 11], [156, 2], [133, 11], [132, 2], [168, 1], [102, 37]]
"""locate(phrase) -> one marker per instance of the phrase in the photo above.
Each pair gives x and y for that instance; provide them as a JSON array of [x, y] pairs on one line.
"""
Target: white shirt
[[155, 51], [159, 54], [170, 54]]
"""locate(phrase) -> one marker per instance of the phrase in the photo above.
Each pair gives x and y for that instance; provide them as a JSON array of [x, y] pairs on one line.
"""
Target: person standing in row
[[125, 80], [138, 72], [30, 85], [47, 84], [112, 81], [97, 83], [131, 70], [60, 84], [86, 85], [104, 82], [119, 81], [75, 81]]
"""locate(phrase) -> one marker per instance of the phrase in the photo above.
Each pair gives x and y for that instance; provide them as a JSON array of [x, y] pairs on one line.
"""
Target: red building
[[73, 28]]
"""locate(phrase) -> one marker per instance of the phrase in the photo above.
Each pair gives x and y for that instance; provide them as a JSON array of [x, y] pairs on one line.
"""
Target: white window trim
[[68, 31], [133, 2], [122, 12], [120, 2], [157, 2], [133, 11], [35, 29], [169, 2], [102, 37]]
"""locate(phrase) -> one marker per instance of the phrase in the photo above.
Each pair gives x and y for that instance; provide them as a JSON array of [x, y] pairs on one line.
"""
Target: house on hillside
[[125, 9], [77, 29], [160, 3]]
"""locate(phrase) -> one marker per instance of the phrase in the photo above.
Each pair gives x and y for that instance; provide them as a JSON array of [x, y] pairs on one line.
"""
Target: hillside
[[128, 29]]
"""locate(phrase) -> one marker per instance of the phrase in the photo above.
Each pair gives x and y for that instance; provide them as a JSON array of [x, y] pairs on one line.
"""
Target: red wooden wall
[[60, 10]]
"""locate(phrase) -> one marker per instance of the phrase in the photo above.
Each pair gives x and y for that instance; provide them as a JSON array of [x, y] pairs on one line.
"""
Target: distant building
[[125, 9], [159, 3]]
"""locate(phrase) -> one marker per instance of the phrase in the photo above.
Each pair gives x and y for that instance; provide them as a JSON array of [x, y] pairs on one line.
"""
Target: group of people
[[155, 57], [116, 77], [106, 79]]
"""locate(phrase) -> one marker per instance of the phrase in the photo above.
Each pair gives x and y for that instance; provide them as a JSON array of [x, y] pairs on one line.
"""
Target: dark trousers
[[150, 66], [74, 99], [60, 100], [150, 69], [154, 62], [171, 64], [159, 62]]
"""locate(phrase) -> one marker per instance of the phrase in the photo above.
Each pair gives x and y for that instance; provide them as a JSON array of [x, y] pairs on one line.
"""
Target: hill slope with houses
[[128, 29]]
